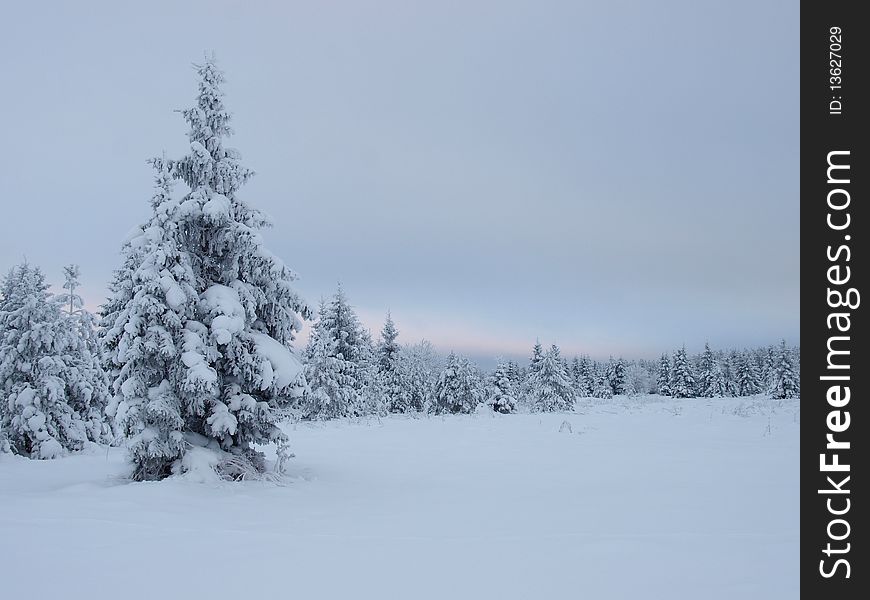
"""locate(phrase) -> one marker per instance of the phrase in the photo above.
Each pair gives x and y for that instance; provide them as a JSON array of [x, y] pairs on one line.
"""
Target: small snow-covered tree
[[785, 383], [748, 380], [201, 318], [767, 365], [50, 393], [616, 376], [339, 339], [682, 384], [585, 378], [419, 367], [92, 381], [332, 392], [373, 398], [537, 355], [459, 388], [580, 376], [639, 379], [710, 383], [550, 385], [514, 373], [525, 388], [728, 364], [601, 387], [396, 396], [500, 394], [664, 376]]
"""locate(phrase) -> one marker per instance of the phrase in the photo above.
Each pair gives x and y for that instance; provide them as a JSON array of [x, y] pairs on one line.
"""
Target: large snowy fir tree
[[199, 326], [53, 387]]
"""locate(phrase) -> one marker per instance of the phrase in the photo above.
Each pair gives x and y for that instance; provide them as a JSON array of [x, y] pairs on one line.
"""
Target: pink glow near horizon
[[447, 333]]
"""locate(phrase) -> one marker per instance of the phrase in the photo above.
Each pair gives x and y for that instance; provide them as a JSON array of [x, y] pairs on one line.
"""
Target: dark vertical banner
[[834, 370]]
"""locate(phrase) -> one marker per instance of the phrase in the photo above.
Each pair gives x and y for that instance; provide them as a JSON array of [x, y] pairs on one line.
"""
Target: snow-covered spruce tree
[[71, 302], [639, 378], [707, 366], [46, 381], [339, 339], [551, 388], [331, 390], [459, 388], [500, 393], [729, 364], [419, 367], [601, 388], [664, 377], [748, 380], [616, 375], [586, 377], [198, 328], [574, 372], [785, 383], [710, 383], [514, 373], [91, 380], [682, 382], [537, 355], [753, 354], [396, 396], [580, 377], [767, 360], [373, 389], [525, 388], [567, 367]]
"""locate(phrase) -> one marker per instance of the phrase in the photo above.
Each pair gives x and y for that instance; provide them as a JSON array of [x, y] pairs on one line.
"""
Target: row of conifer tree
[[64, 397], [348, 374]]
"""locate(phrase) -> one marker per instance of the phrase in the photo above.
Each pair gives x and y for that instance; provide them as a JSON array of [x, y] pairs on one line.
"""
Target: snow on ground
[[646, 498]]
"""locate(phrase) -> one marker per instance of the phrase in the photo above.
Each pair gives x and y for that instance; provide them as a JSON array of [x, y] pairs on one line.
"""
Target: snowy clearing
[[634, 498]]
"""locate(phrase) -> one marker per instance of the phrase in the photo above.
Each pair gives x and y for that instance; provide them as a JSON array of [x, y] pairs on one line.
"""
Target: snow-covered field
[[643, 498]]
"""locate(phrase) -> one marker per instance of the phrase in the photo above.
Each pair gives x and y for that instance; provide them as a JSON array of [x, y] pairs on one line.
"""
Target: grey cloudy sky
[[616, 177]]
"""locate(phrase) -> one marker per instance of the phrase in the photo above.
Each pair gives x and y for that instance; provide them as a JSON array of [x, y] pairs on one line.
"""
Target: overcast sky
[[615, 177]]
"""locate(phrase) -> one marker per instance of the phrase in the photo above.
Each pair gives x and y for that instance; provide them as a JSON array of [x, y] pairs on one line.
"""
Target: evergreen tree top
[[209, 163], [390, 332], [339, 322], [24, 285], [71, 301], [537, 355]]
